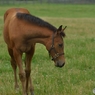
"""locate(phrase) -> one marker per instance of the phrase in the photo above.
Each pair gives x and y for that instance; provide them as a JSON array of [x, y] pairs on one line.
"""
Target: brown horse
[[21, 32]]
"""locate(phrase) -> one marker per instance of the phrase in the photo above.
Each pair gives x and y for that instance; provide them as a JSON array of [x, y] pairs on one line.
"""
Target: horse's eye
[[60, 45]]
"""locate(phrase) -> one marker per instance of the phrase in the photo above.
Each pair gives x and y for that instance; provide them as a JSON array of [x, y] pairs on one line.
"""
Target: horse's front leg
[[31, 87], [18, 58], [28, 58]]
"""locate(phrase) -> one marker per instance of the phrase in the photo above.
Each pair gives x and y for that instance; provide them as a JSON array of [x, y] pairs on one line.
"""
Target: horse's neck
[[40, 35]]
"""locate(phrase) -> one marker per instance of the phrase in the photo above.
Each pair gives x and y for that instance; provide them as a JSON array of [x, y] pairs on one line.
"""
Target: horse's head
[[56, 47]]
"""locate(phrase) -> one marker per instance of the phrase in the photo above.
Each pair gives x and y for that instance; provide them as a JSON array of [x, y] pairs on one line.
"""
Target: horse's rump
[[12, 12]]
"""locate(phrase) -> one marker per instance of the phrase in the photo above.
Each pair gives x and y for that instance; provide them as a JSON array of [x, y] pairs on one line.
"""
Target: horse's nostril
[[60, 64]]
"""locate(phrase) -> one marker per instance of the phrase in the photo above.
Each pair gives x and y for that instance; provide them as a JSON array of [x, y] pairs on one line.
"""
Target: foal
[[21, 32]]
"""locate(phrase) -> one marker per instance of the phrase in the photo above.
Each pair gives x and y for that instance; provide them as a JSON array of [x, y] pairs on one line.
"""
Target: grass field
[[77, 77]]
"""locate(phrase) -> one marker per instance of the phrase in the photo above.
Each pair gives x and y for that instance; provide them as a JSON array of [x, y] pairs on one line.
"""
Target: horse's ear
[[62, 32], [64, 28], [60, 28]]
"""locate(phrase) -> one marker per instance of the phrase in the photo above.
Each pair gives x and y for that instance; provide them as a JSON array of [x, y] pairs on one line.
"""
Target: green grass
[[56, 10], [77, 77]]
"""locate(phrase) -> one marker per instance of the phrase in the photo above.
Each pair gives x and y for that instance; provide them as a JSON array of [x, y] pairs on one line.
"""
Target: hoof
[[32, 93], [17, 89]]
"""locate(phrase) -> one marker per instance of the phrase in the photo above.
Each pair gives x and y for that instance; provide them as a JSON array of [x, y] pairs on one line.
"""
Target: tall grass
[[77, 77]]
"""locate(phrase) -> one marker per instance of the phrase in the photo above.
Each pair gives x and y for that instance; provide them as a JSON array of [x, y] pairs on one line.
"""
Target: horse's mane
[[35, 20]]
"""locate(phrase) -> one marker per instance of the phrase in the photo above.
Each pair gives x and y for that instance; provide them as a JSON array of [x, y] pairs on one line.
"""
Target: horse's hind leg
[[28, 58], [14, 66], [22, 76]]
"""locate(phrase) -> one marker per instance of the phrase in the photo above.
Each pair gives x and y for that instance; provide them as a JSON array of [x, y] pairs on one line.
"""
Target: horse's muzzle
[[59, 64]]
